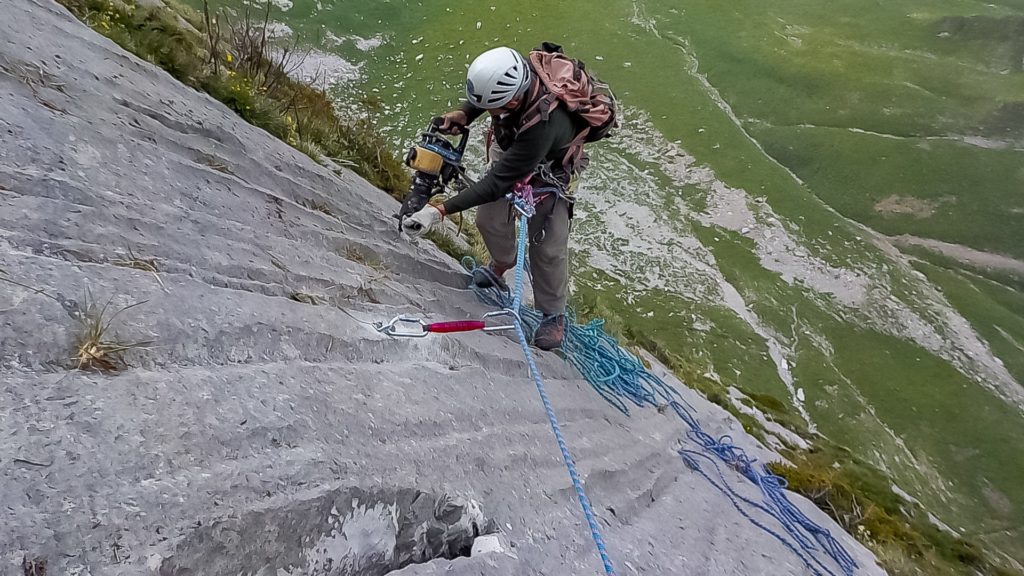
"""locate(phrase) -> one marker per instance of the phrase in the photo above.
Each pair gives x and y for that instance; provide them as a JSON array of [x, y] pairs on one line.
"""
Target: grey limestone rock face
[[257, 434]]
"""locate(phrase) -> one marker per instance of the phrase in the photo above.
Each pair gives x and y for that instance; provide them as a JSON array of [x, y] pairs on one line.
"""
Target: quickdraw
[[403, 326]]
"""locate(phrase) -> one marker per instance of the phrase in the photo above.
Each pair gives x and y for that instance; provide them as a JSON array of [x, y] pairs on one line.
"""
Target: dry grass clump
[[130, 260], [96, 347], [306, 298]]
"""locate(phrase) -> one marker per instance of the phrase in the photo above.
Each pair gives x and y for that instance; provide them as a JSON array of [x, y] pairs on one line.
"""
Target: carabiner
[[420, 329], [497, 313], [523, 200], [392, 328]]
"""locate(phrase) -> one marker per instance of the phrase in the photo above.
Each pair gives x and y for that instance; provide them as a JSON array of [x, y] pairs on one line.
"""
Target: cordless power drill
[[437, 162]]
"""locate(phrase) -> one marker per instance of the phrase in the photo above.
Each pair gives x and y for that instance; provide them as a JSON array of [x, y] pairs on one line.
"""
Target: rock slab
[[266, 428]]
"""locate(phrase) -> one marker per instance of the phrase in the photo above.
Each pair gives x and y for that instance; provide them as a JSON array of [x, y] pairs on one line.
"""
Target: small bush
[[159, 38], [311, 149], [237, 93], [768, 402]]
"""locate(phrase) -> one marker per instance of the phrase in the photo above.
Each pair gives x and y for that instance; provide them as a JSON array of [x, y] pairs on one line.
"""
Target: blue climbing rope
[[516, 304], [621, 379], [690, 459]]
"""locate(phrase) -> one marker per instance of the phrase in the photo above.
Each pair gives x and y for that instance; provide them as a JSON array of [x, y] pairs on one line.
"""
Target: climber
[[534, 137]]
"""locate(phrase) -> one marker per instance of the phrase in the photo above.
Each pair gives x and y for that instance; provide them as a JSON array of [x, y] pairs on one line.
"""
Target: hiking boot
[[550, 333], [490, 276]]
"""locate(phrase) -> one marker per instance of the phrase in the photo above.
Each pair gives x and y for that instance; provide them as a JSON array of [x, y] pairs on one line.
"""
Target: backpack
[[567, 81]]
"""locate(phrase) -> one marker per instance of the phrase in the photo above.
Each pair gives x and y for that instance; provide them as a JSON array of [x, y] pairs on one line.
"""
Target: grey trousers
[[548, 245]]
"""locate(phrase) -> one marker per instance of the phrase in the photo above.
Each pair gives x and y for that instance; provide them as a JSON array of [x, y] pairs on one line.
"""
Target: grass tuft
[[130, 260], [449, 244], [218, 166], [96, 348], [379, 265], [305, 298], [136, 263], [318, 206], [354, 254]]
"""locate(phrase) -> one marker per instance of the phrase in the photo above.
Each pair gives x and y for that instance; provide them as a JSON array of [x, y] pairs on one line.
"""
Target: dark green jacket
[[543, 142]]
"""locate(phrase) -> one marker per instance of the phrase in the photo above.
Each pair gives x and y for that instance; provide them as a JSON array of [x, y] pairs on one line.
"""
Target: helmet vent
[[496, 77]]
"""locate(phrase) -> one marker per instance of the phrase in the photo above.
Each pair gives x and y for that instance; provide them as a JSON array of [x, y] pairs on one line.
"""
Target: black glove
[[452, 123]]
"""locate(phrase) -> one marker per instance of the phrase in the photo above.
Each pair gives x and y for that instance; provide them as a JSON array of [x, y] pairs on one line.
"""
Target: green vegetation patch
[[230, 57], [995, 311], [860, 497], [797, 74], [940, 189], [868, 388]]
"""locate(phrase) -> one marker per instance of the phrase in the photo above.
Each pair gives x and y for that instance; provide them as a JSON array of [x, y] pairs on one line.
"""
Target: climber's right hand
[[452, 123], [423, 221]]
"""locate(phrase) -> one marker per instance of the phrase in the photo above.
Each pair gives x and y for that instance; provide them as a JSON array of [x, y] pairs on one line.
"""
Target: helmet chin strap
[[504, 110]]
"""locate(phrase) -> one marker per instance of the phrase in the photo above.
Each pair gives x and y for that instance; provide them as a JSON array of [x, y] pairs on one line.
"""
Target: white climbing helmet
[[496, 77]]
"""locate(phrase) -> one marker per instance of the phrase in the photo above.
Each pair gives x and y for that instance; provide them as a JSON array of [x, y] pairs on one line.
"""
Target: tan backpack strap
[[540, 104], [541, 110], [574, 151]]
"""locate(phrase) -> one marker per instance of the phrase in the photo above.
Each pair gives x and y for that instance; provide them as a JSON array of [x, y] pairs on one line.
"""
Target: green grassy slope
[[801, 74]]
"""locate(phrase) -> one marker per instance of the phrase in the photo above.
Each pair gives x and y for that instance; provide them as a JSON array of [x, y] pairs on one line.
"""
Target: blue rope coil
[[621, 379]]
